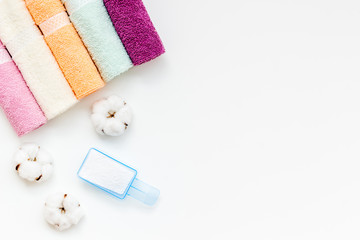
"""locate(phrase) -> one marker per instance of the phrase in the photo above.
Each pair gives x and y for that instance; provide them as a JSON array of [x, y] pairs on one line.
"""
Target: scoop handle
[[143, 192]]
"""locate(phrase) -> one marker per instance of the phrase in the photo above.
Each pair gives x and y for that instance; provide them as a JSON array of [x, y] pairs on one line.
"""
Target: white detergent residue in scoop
[[107, 173]]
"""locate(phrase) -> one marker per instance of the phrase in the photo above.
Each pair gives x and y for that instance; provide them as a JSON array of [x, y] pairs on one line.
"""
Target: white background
[[249, 125]]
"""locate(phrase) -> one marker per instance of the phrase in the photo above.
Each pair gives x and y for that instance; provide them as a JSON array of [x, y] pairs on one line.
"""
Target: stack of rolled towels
[[56, 52]]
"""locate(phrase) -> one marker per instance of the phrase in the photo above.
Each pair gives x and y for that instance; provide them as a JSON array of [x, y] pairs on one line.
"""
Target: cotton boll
[[29, 170], [62, 211], [33, 163], [111, 116]]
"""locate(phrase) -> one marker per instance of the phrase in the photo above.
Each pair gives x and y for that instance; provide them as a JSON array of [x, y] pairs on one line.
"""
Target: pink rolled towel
[[16, 99]]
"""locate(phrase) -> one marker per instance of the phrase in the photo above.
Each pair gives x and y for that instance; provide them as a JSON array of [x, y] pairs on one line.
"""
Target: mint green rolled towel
[[96, 30]]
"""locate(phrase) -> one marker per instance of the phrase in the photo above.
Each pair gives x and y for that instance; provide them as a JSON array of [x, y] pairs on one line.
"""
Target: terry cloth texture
[[34, 59], [66, 45], [135, 29], [95, 28], [18, 103]]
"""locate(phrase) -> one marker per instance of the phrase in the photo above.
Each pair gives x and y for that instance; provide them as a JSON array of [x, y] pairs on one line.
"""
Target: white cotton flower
[[33, 163], [111, 116], [62, 211]]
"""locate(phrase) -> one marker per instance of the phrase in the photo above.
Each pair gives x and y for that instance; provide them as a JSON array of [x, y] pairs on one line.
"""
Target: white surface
[[107, 173], [249, 125]]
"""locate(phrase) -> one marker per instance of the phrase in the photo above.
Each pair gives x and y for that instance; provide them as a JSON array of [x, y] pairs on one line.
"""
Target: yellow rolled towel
[[34, 59], [66, 45]]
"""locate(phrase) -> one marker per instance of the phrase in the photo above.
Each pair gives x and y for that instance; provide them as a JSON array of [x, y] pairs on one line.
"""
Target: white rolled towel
[[34, 59]]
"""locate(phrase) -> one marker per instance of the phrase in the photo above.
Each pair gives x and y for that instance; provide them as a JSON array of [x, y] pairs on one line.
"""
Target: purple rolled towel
[[135, 29]]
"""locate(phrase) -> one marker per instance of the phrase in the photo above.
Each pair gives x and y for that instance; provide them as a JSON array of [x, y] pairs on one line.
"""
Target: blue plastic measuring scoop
[[116, 178]]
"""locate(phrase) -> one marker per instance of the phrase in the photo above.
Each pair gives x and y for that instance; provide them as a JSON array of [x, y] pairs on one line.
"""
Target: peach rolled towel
[[33, 57], [66, 45]]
